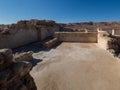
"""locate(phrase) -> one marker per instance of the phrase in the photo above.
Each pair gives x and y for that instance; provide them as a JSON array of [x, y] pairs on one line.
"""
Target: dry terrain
[[76, 66]]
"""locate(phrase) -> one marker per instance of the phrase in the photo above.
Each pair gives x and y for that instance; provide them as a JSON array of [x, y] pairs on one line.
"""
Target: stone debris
[[50, 43], [14, 75], [25, 56], [114, 45]]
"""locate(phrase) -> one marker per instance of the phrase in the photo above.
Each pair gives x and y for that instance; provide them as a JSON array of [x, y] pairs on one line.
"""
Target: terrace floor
[[76, 66]]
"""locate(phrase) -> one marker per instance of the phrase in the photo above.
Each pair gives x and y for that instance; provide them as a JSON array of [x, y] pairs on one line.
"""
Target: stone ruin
[[26, 32], [25, 56], [14, 74], [114, 45], [15, 69]]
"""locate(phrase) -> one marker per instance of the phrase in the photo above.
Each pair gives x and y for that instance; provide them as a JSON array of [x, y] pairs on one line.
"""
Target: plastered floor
[[76, 66]]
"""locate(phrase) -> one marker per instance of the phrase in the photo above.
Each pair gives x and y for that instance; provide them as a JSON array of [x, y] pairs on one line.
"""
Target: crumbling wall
[[48, 31], [83, 37], [25, 32], [50, 43], [103, 39], [14, 75], [109, 42], [114, 45], [19, 38], [117, 32]]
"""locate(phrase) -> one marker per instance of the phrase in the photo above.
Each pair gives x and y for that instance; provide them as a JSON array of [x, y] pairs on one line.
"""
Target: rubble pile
[[14, 75]]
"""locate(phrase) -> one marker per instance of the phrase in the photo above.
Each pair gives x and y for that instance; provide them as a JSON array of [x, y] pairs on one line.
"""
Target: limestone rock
[[114, 43], [5, 58], [29, 82], [25, 56], [4, 75], [21, 68], [50, 43], [14, 75]]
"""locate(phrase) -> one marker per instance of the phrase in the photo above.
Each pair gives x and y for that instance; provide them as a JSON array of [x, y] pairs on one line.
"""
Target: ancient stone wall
[[103, 39], [114, 45], [48, 31], [14, 75], [83, 37], [25, 32], [117, 32], [21, 37]]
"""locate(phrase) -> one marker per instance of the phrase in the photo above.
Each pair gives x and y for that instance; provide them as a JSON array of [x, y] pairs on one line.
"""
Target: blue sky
[[59, 10]]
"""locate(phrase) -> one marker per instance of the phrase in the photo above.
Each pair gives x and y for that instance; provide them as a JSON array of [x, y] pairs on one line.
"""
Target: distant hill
[[75, 26], [93, 25]]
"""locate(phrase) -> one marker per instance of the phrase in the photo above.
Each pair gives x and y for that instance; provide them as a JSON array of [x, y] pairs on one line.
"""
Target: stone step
[[50, 43]]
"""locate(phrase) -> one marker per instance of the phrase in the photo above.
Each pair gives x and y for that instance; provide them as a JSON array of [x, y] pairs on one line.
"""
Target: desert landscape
[[59, 44], [45, 55]]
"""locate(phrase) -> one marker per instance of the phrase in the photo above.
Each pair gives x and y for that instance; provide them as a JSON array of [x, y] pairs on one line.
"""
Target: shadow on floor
[[34, 47], [35, 61]]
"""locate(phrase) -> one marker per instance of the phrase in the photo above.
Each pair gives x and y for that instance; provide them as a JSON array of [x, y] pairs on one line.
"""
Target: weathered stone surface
[[25, 56], [14, 75], [50, 43], [21, 68], [103, 39], [114, 43], [5, 58], [83, 37], [29, 82], [27, 31], [4, 75]]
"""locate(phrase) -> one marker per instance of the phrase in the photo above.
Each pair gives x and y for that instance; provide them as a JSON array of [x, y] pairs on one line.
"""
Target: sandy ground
[[76, 66]]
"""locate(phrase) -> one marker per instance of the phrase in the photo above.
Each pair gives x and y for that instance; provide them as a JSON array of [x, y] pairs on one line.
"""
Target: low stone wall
[[83, 37], [116, 31]]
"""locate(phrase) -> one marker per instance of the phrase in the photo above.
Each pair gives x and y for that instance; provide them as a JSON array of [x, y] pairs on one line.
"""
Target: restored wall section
[[89, 37]]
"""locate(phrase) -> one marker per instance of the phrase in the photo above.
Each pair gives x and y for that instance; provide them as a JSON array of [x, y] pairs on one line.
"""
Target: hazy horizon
[[60, 22]]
